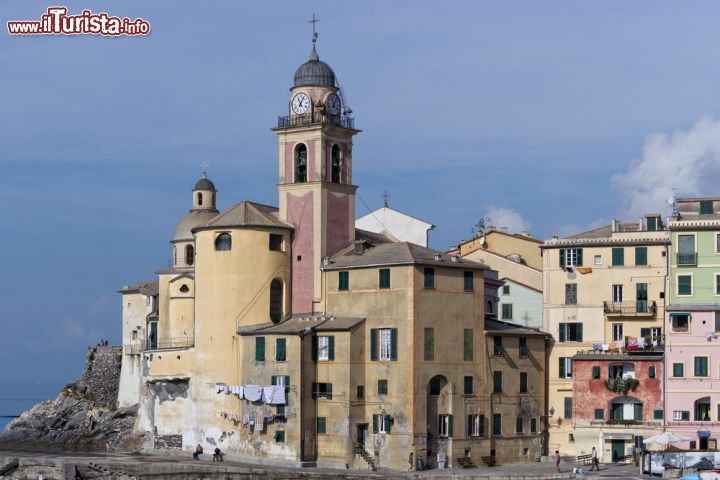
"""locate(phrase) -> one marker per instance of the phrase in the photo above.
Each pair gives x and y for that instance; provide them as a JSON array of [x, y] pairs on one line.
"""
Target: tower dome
[[204, 184], [314, 72]]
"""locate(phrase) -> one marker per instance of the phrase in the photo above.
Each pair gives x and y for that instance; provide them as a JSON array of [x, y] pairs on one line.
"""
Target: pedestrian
[[557, 461], [411, 460], [595, 462], [198, 451]]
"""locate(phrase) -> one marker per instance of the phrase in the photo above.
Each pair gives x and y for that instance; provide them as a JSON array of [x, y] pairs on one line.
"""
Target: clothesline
[[256, 423], [632, 344], [272, 395]]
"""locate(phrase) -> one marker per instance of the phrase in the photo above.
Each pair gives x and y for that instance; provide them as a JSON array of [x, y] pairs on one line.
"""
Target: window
[[259, 349], [507, 311], [598, 260], [336, 164], [497, 345], [468, 385], [468, 281], [658, 414], [519, 425], [301, 163], [435, 386], [276, 300], [571, 257], [344, 281], [651, 371], [686, 250], [280, 349], [599, 414], [571, 437], [281, 380], [596, 371], [522, 341], [678, 370], [429, 278], [701, 367], [384, 278], [497, 382], [382, 387], [497, 424], [652, 223], [189, 255], [684, 285], [717, 284], [280, 436], [467, 345], [570, 293], [322, 391], [325, 348], [506, 289], [445, 425], [199, 199], [523, 382], [565, 364], [641, 256], [680, 322], [702, 409], [383, 344], [360, 392], [717, 243], [533, 425], [568, 408], [382, 423], [617, 332], [706, 207], [275, 243], [321, 425], [223, 242], [682, 415], [618, 257], [617, 293], [429, 344], [184, 288], [717, 321], [476, 425], [571, 332]]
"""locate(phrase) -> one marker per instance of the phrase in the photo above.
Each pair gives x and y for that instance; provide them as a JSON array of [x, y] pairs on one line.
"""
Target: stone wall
[[102, 374], [168, 442]]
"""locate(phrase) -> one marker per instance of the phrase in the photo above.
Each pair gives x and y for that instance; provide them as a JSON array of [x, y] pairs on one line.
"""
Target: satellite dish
[[671, 200]]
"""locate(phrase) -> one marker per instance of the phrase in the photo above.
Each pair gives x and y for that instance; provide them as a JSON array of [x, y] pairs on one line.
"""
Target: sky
[[552, 117]]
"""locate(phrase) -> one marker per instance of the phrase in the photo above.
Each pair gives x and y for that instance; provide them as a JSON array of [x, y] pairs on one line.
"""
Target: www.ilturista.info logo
[[57, 22]]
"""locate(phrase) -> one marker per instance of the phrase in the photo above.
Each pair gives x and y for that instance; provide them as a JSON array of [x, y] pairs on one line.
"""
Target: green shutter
[[393, 344], [331, 347], [618, 256], [579, 257], [482, 425], [328, 390], [450, 425], [280, 350], [321, 425], [579, 332], [273, 380], [678, 370], [344, 280], [562, 258], [259, 349], [651, 371], [373, 344], [658, 415], [706, 207], [467, 345], [568, 407], [388, 423], [497, 424], [375, 424], [468, 384], [563, 330], [314, 348], [701, 369], [640, 256], [599, 414], [645, 332], [638, 411], [596, 372], [429, 344], [384, 280], [562, 367]]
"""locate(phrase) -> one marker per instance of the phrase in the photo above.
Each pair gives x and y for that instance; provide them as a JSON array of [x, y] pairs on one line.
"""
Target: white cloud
[[506, 217], [686, 160]]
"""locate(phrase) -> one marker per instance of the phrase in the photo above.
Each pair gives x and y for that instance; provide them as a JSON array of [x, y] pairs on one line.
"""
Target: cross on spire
[[204, 165], [386, 198], [314, 21]]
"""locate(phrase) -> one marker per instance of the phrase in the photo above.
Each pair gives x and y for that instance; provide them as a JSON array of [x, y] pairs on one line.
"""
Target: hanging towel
[[597, 346], [252, 420], [605, 347], [260, 424], [278, 396], [253, 392], [267, 394], [641, 342], [240, 392]]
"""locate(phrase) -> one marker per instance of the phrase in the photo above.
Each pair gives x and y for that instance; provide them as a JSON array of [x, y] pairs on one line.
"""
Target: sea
[[17, 397]]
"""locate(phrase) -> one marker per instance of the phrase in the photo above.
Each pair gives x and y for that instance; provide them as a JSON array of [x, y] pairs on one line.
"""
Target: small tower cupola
[[204, 194]]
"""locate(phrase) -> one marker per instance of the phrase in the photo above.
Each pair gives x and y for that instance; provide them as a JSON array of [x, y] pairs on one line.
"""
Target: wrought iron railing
[[687, 259], [640, 307], [171, 343], [287, 121]]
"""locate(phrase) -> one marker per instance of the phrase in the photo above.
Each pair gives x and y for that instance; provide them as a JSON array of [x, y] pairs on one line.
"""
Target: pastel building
[[692, 405]]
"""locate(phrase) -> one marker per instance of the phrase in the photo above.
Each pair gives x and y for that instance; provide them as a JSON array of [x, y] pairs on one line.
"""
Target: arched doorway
[[439, 420]]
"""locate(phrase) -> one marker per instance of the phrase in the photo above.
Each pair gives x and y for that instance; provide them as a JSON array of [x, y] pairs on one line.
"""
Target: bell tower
[[315, 188]]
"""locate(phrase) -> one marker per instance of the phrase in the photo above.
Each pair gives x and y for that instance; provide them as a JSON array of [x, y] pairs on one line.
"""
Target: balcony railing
[[630, 309], [287, 121], [625, 423], [687, 259], [171, 343]]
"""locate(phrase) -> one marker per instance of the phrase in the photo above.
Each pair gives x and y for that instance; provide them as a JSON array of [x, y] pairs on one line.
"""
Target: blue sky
[[550, 115]]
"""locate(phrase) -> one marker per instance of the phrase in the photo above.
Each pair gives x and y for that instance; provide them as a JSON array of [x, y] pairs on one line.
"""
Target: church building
[[286, 333]]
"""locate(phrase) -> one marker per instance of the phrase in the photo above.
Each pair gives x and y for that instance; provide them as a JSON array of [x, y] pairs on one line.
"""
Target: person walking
[[557, 461], [595, 461]]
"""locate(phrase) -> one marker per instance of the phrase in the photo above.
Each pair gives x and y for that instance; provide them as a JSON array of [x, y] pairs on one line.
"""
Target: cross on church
[[204, 167], [314, 21], [386, 198]]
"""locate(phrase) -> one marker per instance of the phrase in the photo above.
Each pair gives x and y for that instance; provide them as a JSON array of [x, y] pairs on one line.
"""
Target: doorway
[[361, 434], [617, 449]]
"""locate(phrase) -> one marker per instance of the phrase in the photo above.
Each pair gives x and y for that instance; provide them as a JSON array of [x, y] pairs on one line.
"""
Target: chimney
[[615, 225], [359, 247], [454, 258], [437, 257], [525, 233]]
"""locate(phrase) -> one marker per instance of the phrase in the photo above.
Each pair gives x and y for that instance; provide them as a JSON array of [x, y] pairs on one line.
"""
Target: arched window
[[223, 242], [199, 199], [702, 409], [213, 200], [276, 300], [301, 163], [336, 163], [189, 255]]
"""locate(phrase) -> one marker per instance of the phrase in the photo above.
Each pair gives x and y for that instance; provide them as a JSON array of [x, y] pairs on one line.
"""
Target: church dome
[[204, 184], [192, 219], [314, 72]]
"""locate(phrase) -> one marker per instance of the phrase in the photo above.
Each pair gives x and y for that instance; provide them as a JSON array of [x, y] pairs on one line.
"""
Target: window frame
[[618, 257], [614, 328], [283, 350], [677, 284], [468, 381], [707, 366], [323, 351], [444, 421], [321, 421], [384, 278], [617, 293], [385, 344], [597, 260], [519, 426], [274, 245], [682, 366], [506, 289], [523, 388], [506, 311], [343, 280], [639, 262], [429, 277], [468, 281], [382, 386], [571, 294], [223, 246], [673, 326], [497, 382]]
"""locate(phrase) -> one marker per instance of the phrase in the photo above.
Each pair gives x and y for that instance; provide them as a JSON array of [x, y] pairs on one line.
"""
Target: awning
[[679, 314], [703, 434]]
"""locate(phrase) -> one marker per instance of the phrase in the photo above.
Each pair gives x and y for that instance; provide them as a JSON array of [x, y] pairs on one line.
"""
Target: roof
[[149, 288], [600, 232], [297, 324], [192, 219], [400, 253], [246, 214], [497, 326], [372, 237], [385, 209], [314, 72], [204, 184]]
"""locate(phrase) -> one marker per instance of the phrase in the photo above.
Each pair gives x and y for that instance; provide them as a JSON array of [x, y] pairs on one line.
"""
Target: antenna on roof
[[204, 166], [478, 228]]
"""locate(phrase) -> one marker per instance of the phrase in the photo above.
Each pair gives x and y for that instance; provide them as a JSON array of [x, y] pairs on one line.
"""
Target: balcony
[[177, 343], [288, 121], [625, 423], [638, 308], [686, 259]]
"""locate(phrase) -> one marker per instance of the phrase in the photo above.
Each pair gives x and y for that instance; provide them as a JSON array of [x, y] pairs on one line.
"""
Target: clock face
[[332, 104], [300, 103]]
